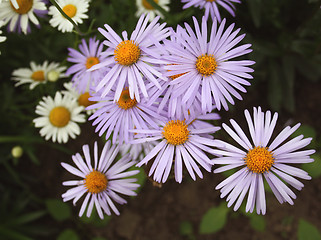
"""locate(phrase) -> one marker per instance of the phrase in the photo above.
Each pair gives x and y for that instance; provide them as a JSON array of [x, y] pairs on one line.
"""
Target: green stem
[[67, 17], [159, 8]]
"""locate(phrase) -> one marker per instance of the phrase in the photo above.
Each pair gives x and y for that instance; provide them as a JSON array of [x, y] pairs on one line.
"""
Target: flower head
[[262, 158], [87, 56], [2, 38], [36, 74], [18, 18], [75, 9], [132, 61], [179, 143], [211, 6], [59, 117], [82, 98], [144, 7], [121, 116], [103, 179], [206, 67]]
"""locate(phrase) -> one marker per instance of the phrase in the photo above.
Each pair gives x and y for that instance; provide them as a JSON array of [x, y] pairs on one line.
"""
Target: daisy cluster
[[155, 94]]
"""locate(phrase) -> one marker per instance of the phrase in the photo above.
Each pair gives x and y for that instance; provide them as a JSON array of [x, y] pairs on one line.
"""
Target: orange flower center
[[59, 116], [147, 5], [38, 76], [210, 0], [83, 100], [24, 6], [176, 132], [70, 10], [125, 102], [127, 53], [96, 182], [91, 61], [259, 159], [206, 64]]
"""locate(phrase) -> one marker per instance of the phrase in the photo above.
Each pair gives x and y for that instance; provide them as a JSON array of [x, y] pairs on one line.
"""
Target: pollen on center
[[24, 6], [70, 10], [127, 53], [59, 116], [125, 102], [147, 5], [96, 182], [259, 159], [91, 61], [206, 64], [176, 132], [83, 100], [38, 76]]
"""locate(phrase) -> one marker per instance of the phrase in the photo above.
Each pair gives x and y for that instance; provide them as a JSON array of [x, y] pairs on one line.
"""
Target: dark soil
[[157, 212]]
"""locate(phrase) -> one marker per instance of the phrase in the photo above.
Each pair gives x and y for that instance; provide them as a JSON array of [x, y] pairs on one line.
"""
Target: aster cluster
[[154, 95]]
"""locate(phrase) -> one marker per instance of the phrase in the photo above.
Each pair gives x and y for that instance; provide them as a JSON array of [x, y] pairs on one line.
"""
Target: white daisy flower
[[144, 7], [75, 9], [82, 98], [37, 74], [2, 38], [59, 117], [18, 18], [103, 180]]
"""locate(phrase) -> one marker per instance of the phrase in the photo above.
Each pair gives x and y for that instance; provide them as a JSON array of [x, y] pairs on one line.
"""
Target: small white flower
[[36, 74], [82, 98], [59, 117], [144, 7], [75, 9], [18, 18]]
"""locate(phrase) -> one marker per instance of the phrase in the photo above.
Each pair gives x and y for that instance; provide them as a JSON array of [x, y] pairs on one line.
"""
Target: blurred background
[[286, 42]]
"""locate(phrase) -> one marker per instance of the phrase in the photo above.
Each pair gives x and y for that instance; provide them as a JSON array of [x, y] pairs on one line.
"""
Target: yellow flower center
[[259, 159], [206, 64], [38, 76], [91, 61], [147, 5], [96, 182], [83, 100], [127, 53], [24, 6], [176, 132], [59, 116], [125, 101], [70, 10], [210, 0]]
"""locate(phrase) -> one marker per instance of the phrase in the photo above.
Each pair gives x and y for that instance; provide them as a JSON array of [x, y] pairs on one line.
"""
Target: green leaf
[[314, 168], [186, 228], [58, 210], [307, 231], [257, 222], [95, 220], [68, 234], [307, 131], [214, 219], [275, 87], [29, 217]]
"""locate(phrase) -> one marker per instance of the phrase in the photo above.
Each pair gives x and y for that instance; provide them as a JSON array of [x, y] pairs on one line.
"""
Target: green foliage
[[68, 234], [186, 229], [214, 219], [307, 231], [257, 222], [95, 220], [58, 209], [314, 168]]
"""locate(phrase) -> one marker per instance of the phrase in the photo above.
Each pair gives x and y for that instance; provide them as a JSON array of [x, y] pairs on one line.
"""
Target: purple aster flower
[[180, 143], [18, 18], [259, 159], [121, 116], [206, 66], [88, 56], [211, 6], [131, 59], [102, 181]]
